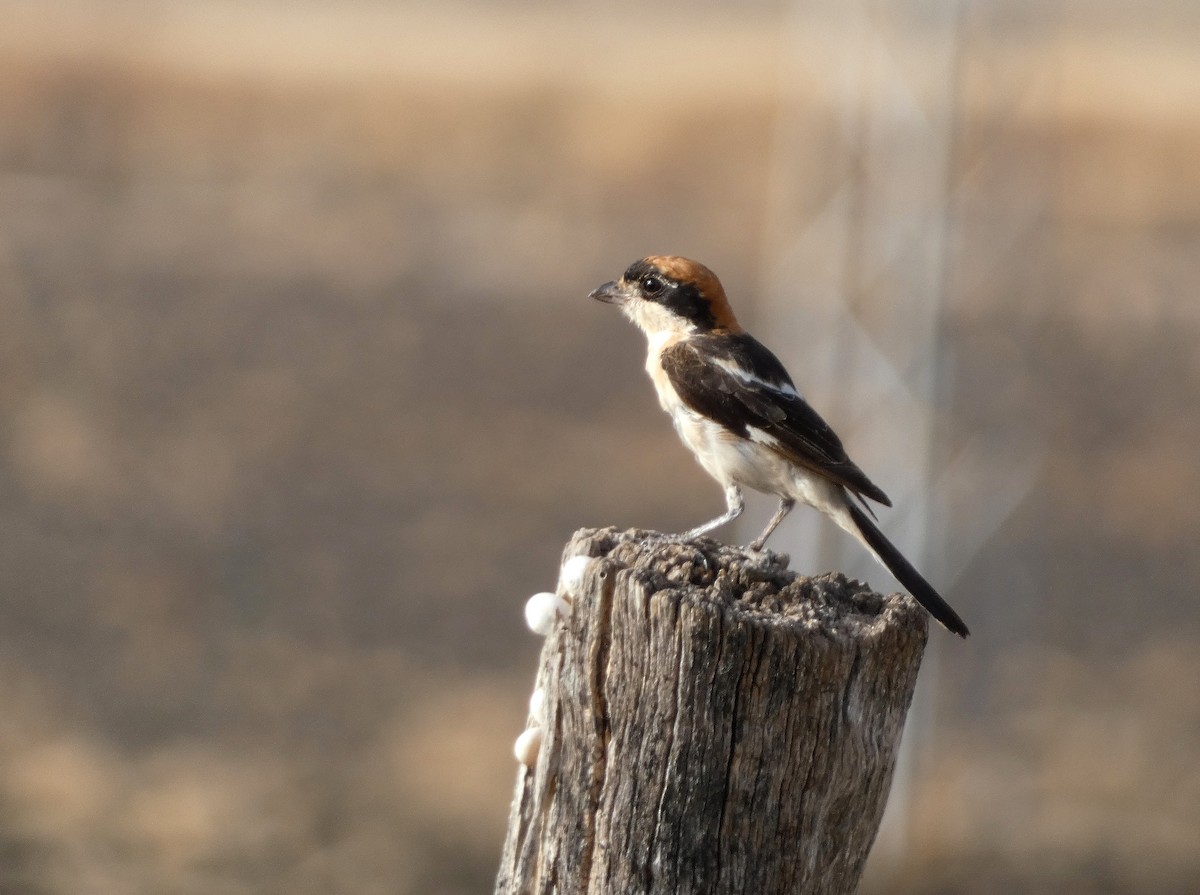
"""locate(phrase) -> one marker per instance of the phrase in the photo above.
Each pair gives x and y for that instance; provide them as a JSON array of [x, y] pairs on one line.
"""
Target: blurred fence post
[[712, 724]]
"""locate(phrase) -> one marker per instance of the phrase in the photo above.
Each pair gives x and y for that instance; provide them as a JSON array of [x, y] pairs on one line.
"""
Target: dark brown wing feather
[[757, 401]]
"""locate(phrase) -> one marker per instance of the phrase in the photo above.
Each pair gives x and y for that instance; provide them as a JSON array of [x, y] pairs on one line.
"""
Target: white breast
[[728, 458]]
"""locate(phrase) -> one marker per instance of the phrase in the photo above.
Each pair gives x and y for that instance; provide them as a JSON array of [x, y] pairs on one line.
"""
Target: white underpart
[[731, 460], [744, 462], [754, 463]]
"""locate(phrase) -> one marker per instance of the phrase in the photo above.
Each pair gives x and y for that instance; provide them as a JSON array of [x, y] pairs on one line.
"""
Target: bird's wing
[[737, 382]]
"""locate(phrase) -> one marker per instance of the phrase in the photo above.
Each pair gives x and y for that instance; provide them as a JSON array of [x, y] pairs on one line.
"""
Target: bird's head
[[670, 294]]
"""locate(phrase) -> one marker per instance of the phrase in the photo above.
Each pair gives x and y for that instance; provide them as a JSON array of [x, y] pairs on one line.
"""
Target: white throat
[[656, 321]]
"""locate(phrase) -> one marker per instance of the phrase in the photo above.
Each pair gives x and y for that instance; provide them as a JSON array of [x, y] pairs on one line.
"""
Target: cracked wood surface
[[714, 724]]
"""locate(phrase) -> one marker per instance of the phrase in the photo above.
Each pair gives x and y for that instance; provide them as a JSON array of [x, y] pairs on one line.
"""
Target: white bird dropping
[[542, 609], [573, 572], [537, 705], [527, 745]]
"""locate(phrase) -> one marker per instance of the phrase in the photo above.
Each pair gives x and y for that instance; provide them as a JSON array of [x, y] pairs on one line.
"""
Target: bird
[[736, 409]]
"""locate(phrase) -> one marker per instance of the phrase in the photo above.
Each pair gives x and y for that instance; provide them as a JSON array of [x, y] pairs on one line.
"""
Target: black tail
[[909, 577]]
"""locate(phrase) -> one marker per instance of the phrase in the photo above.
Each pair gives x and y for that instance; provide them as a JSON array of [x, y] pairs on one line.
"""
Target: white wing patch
[[740, 372], [760, 437]]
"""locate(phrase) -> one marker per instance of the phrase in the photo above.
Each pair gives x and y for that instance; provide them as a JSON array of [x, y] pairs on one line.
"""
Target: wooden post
[[713, 724]]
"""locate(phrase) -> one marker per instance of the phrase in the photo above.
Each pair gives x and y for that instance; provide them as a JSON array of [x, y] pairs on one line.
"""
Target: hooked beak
[[610, 293]]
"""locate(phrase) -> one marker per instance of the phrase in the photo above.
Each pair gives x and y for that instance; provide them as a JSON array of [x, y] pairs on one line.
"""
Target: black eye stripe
[[640, 271], [681, 297], [686, 300]]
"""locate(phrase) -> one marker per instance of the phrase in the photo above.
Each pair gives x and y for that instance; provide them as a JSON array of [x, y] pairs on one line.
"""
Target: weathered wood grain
[[714, 724]]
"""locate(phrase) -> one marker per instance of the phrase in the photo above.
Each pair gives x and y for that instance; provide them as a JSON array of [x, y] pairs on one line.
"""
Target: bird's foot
[[766, 559]]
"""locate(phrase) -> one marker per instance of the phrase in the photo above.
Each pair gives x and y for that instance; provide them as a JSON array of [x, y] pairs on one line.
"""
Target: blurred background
[[301, 396]]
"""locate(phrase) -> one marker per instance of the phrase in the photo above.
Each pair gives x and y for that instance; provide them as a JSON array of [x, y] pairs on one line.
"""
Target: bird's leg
[[734, 506], [785, 507]]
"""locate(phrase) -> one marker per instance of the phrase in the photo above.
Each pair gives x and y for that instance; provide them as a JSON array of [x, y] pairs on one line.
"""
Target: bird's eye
[[652, 285]]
